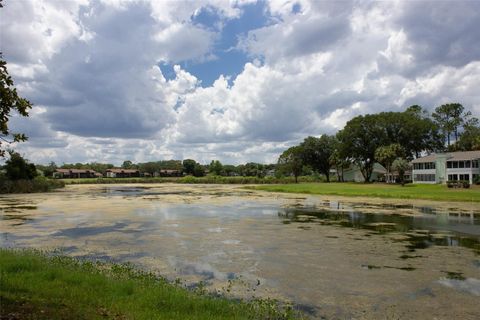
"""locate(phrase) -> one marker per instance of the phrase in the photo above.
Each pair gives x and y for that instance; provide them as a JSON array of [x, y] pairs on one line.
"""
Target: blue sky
[[237, 81], [228, 60]]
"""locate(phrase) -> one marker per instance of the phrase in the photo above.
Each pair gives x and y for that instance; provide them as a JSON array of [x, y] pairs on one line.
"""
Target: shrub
[[38, 184]]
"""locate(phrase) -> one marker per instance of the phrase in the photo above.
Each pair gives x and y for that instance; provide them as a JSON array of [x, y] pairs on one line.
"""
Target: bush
[[38, 184], [17, 168], [458, 184]]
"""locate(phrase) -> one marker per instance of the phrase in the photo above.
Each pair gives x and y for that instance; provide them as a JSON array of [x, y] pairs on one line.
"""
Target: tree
[[47, 170], [386, 155], [127, 164], [418, 133], [216, 167], [401, 165], [340, 163], [449, 119], [317, 153], [229, 169], [17, 168], [10, 102], [198, 170], [470, 138], [291, 161], [189, 166], [360, 138]]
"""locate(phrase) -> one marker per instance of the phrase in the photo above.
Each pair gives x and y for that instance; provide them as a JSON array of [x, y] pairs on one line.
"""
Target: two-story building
[[122, 173], [443, 167]]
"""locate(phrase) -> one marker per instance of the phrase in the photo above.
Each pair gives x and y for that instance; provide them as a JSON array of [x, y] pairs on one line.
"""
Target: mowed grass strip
[[379, 190], [34, 286]]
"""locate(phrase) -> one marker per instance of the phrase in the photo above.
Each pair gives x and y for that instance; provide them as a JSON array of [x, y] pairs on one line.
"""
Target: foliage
[[470, 138], [17, 168], [198, 170], [41, 286], [10, 102], [253, 169], [360, 137], [38, 184], [449, 118], [127, 164], [386, 155], [411, 129], [47, 170], [340, 161], [189, 166], [291, 161], [317, 153], [401, 165], [216, 167]]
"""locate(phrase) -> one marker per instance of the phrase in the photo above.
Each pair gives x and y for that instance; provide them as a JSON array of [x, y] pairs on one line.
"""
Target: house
[[75, 173], [122, 173], [354, 174], [443, 167], [170, 173]]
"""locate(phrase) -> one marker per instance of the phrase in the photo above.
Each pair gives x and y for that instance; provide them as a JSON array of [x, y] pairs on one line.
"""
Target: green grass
[[409, 191], [34, 286]]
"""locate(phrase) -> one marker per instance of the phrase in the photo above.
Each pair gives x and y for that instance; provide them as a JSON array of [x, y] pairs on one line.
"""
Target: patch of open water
[[332, 258]]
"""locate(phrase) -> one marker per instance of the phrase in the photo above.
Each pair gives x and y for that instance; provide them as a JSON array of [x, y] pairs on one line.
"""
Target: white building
[[443, 167]]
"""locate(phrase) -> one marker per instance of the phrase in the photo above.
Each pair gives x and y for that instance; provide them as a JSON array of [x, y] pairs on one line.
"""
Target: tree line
[[187, 167], [389, 138]]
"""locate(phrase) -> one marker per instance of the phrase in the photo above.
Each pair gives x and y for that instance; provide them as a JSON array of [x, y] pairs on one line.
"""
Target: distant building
[[443, 167], [75, 173], [170, 173], [354, 174], [122, 173]]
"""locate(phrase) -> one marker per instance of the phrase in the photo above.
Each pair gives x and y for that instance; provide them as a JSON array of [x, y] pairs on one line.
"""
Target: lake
[[332, 257]]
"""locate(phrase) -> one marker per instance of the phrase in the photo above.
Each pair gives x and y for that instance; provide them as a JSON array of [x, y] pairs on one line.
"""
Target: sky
[[236, 81]]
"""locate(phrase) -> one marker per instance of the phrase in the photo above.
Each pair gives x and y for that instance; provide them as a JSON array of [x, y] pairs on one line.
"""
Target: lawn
[[35, 286], [409, 191]]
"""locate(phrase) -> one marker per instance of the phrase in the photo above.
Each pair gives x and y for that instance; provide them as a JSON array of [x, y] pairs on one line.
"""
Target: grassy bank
[[194, 180], [410, 191], [38, 184], [34, 286]]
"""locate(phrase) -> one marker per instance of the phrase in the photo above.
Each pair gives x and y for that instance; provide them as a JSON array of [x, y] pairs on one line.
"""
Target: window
[[453, 177], [475, 164], [449, 164], [464, 177], [461, 164], [430, 165], [454, 164], [425, 177], [467, 164]]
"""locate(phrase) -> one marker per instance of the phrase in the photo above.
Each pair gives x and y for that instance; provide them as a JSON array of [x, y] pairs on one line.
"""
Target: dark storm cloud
[[99, 87], [442, 32]]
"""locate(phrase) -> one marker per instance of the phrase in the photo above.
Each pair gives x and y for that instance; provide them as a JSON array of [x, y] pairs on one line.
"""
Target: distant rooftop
[[120, 170], [75, 171], [451, 156]]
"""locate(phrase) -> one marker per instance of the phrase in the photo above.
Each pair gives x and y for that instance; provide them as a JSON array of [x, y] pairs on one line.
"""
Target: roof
[[75, 171], [169, 170], [119, 170], [451, 156]]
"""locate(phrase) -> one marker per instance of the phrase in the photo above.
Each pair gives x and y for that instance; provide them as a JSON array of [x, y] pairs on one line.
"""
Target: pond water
[[333, 258]]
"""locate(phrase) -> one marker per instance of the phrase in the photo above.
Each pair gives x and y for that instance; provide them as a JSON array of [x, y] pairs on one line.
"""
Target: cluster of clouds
[[92, 68]]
